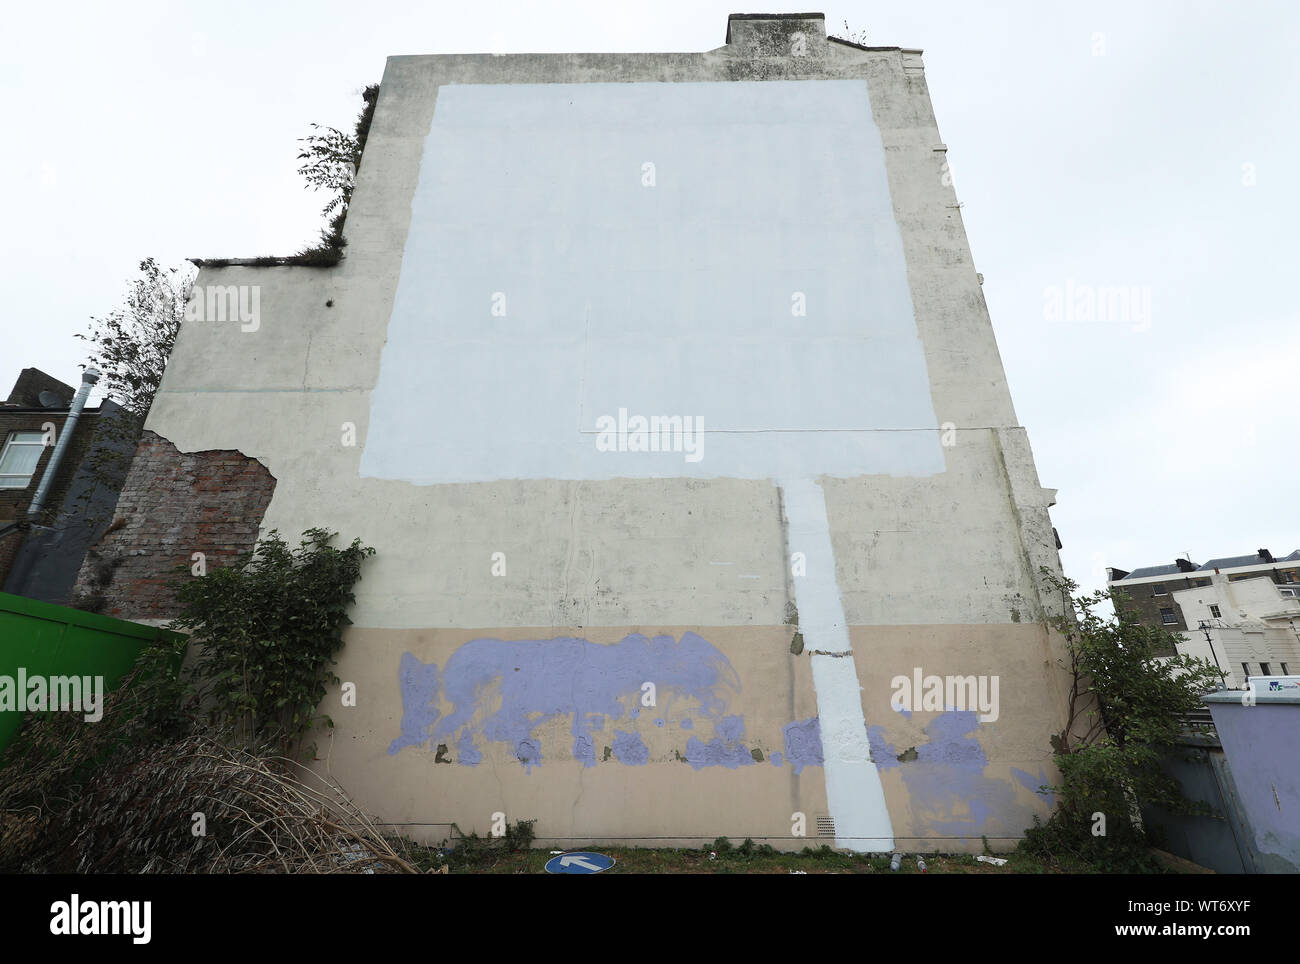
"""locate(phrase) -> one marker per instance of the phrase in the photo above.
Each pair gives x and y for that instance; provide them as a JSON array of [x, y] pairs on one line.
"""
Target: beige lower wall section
[[948, 778]]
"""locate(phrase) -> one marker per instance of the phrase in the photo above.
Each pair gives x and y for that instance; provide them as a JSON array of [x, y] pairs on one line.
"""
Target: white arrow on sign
[[579, 861]]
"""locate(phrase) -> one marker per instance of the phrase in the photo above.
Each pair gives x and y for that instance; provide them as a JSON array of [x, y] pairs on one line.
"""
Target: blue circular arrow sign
[[579, 862]]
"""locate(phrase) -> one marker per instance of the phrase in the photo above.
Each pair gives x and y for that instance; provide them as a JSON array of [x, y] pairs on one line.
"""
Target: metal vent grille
[[825, 826]]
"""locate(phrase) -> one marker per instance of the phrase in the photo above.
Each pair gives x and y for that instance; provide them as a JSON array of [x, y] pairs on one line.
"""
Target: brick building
[[41, 554]]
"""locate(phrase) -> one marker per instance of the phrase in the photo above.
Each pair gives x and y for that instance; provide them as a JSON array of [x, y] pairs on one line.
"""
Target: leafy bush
[[268, 629], [1126, 706], [219, 737]]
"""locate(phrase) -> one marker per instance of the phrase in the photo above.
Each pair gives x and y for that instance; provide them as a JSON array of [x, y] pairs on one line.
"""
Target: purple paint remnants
[[629, 748], [803, 743], [726, 749], [950, 746], [529, 753], [949, 793], [1032, 783], [883, 755], [715, 753], [491, 691], [417, 682], [502, 692], [466, 752], [732, 728]]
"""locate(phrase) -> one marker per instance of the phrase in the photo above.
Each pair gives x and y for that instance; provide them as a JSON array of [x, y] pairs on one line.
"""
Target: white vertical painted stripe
[[853, 789]]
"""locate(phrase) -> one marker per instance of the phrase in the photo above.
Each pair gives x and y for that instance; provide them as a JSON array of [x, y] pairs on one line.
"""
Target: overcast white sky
[[1101, 144]]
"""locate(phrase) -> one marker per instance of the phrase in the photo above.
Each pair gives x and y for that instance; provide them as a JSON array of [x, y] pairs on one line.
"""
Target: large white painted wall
[[726, 253]]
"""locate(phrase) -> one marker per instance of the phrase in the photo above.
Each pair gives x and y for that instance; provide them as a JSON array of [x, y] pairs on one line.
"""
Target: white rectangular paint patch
[[720, 251]]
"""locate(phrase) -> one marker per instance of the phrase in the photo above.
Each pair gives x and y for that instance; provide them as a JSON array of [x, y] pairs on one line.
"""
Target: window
[[1264, 670], [1245, 670], [1214, 611], [1167, 617], [1285, 671], [18, 460], [1160, 590]]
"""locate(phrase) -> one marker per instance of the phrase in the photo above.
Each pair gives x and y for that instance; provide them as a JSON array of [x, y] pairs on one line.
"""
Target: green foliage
[[55, 757], [331, 161], [268, 629], [130, 347], [472, 852], [118, 795], [1125, 713], [332, 158], [56, 750], [1063, 840], [824, 852]]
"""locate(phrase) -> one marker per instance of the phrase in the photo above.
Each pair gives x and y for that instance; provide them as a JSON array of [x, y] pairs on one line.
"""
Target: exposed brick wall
[[10, 540], [1147, 599], [14, 502], [173, 505]]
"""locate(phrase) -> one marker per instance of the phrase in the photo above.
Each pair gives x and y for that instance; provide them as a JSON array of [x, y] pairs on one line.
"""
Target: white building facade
[[1241, 613]]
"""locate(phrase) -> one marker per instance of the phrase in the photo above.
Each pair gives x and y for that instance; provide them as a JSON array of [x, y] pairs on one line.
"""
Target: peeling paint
[[716, 753], [803, 743], [466, 752], [529, 753], [588, 682], [947, 789], [630, 749], [1032, 783]]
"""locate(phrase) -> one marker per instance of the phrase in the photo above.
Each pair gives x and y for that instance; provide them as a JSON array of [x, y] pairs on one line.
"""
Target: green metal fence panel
[[40, 639]]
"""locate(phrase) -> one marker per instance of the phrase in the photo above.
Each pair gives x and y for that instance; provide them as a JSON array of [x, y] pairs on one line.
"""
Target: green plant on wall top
[[331, 161], [1127, 704], [268, 629]]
